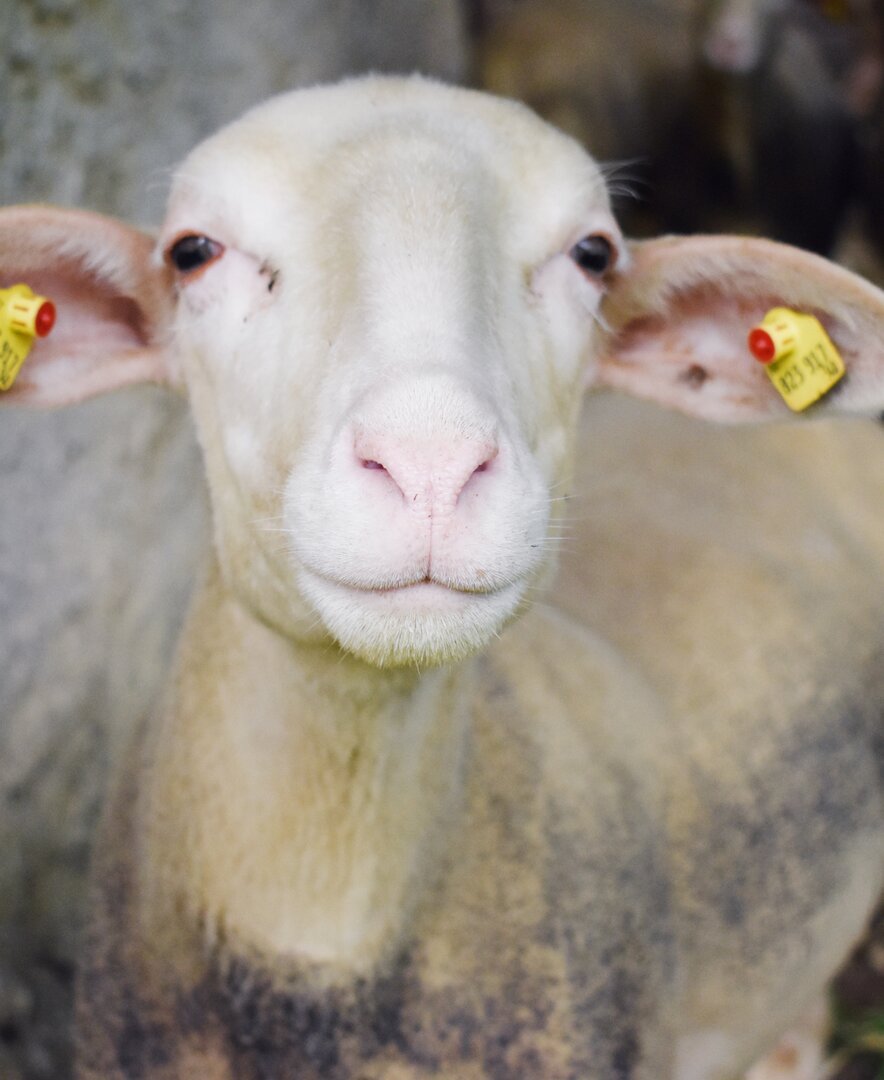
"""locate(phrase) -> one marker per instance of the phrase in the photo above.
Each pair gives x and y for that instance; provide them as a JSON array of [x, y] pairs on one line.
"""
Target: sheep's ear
[[112, 298], [678, 318]]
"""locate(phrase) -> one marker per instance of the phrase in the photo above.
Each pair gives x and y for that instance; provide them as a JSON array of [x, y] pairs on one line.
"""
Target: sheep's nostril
[[467, 476], [367, 464], [489, 456]]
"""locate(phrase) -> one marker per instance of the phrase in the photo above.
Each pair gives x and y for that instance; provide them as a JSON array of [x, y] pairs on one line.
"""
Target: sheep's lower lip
[[426, 587], [420, 592], [427, 596]]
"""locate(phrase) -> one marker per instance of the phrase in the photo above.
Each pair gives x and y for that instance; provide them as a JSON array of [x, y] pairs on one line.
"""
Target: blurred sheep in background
[[763, 115]]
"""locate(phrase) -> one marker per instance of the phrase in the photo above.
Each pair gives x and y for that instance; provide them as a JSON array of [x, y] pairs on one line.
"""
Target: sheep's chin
[[424, 625]]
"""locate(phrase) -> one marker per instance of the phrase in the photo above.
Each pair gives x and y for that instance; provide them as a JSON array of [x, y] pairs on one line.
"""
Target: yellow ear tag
[[23, 317], [798, 355]]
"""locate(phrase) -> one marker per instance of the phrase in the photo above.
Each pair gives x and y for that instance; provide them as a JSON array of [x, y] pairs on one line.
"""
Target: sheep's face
[[385, 328]]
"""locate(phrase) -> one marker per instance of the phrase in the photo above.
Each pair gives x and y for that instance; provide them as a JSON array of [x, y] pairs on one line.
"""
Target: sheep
[[397, 816]]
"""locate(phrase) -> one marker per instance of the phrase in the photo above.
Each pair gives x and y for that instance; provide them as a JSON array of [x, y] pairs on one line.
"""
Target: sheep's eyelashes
[[193, 252], [593, 254]]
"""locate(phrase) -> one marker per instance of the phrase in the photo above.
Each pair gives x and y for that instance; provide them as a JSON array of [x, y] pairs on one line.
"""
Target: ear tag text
[[23, 317], [798, 355]]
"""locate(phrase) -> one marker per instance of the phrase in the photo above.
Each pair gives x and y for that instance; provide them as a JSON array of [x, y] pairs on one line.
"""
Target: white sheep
[[363, 837]]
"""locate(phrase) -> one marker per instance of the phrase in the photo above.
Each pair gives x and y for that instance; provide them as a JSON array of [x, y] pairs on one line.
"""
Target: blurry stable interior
[[760, 116]]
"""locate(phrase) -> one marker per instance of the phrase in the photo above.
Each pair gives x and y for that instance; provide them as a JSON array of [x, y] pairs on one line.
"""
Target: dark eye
[[190, 252], [594, 254]]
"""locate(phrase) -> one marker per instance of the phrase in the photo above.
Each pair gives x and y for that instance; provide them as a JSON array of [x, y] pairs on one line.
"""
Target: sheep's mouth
[[424, 622], [422, 592], [421, 586]]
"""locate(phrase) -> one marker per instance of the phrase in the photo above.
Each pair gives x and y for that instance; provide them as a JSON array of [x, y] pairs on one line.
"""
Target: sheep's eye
[[191, 252], [593, 254]]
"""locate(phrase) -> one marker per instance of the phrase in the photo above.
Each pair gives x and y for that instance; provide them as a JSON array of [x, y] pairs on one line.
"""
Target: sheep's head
[[383, 339], [384, 301]]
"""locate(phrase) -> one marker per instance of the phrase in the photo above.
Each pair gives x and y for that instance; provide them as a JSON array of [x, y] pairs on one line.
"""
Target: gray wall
[[103, 510]]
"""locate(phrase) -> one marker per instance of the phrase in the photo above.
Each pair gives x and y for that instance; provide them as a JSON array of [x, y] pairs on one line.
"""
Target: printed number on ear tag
[[798, 355], [23, 317]]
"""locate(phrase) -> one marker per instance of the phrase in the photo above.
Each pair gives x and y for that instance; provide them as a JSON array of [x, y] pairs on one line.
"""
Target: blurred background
[[761, 116], [756, 115]]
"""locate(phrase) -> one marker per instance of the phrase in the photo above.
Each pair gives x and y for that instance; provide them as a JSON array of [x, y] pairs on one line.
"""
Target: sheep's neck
[[299, 799]]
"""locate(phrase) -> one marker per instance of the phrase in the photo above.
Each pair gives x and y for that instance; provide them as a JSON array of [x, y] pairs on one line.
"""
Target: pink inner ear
[[698, 348], [101, 341], [680, 317], [705, 337], [89, 317]]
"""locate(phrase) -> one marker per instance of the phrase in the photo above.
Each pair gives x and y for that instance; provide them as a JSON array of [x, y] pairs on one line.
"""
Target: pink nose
[[433, 472]]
